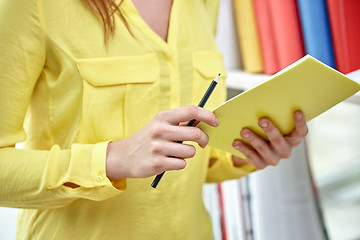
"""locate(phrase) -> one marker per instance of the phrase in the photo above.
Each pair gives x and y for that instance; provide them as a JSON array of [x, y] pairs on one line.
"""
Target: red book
[[222, 212], [280, 33], [266, 36], [344, 18]]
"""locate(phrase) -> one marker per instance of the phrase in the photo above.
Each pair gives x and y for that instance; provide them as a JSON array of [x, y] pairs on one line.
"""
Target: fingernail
[[237, 146], [299, 116], [217, 122], [246, 135], [264, 124]]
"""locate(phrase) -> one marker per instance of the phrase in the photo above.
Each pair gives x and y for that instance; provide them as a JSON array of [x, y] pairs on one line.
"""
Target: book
[[283, 203], [307, 85], [246, 206], [266, 37], [248, 37], [222, 212], [315, 28], [234, 215], [226, 37], [211, 202], [344, 21], [280, 33]]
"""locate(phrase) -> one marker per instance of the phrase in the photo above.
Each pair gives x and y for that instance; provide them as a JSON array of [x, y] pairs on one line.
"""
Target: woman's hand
[[155, 148], [262, 153]]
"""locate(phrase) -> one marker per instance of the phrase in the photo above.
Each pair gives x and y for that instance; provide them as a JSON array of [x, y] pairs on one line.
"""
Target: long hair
[[105, 9]]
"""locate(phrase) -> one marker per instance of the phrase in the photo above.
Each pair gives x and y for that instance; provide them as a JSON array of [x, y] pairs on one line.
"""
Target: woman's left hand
[[260, 152]]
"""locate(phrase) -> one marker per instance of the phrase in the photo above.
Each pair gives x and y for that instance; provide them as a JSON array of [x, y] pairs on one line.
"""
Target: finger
[[252, 156], [193, 134], [180, 133], [277, 140], [261, 146], [173, 163], [174, 149], [185, 114], [300, 131], [162, 164], [238, 161]]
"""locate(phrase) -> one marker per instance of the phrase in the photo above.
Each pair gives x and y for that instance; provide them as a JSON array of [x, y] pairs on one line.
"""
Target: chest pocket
[[207, 65], [120, 95]]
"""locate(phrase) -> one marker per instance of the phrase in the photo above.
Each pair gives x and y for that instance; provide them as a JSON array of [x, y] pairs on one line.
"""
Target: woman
[[101, 114]]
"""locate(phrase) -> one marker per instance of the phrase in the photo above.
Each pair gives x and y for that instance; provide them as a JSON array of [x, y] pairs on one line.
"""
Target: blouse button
[[99, 179]]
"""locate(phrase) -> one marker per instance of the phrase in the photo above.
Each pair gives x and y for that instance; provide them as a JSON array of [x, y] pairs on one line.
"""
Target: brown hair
[[105, 9]]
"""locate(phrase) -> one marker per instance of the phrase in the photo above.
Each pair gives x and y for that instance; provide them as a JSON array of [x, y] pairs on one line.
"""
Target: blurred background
[[316, 193]]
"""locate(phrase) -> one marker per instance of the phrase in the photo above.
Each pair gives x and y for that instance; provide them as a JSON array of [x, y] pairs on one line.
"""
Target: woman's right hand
[[155, 148]]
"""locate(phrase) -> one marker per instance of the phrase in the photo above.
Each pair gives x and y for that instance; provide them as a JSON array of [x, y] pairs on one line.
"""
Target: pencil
[[191, 123]]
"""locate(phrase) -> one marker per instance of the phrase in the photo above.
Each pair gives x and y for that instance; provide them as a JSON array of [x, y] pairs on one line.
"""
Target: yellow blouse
[[66, 94]]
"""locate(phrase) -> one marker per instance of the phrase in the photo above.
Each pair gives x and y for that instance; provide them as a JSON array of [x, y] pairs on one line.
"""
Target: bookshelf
[[252, 207], [241, 80], [280, 184]]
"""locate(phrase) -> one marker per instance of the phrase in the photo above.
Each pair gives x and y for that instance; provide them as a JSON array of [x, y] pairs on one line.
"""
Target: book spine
[[233, 212], [316, 30], [222, 212], [266, 37], [226, 37], [248, 36], [344, 21], [287, 31], [211, 201]]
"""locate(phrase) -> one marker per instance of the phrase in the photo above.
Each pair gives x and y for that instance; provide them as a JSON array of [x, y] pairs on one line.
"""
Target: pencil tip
[[216, 79]]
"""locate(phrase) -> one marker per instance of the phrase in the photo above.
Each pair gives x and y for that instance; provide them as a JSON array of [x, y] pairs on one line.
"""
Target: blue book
[[315, 28]]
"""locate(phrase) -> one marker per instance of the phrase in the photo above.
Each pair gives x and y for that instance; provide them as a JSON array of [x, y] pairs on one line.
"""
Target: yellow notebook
[[248, 36], [307, 85]]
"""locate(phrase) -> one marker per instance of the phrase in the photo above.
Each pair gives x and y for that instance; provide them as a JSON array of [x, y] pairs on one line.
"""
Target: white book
[[226, 37], [211, 201], [283, 203], [235, 226]]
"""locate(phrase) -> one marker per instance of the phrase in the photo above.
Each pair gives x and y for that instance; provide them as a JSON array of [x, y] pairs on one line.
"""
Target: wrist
[[111, 163]]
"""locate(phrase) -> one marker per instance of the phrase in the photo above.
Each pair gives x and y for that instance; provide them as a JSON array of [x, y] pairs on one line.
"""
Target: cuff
[[87, 169]]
